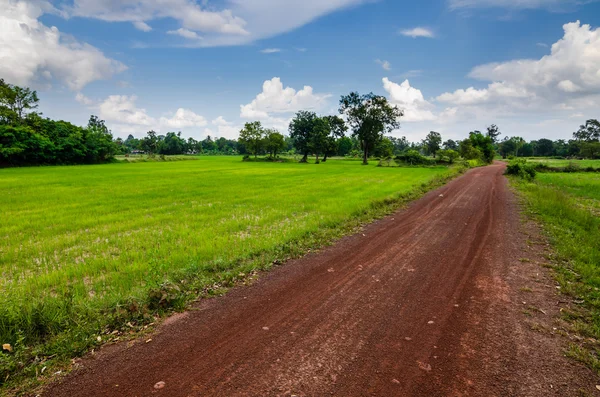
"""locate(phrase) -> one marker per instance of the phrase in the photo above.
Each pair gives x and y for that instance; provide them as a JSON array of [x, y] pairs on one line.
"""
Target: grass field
[[563, 163], [569, 207], [85, 250]]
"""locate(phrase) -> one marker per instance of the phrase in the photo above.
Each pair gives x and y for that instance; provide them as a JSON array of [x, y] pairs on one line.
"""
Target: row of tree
[[26, 138]]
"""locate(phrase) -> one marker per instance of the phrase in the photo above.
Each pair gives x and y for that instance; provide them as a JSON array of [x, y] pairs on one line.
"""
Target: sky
[[206, 67]]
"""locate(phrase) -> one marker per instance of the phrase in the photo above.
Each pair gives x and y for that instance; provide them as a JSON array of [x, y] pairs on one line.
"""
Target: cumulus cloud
[[277, 100], [127, 117], [384, 64], [418, 32], [32, 52], [224, 129], [409, 99], [566, 78], [83, 99]]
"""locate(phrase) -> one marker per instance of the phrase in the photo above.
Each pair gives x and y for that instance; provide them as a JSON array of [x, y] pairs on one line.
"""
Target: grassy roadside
[[566, 205], [82, 326]]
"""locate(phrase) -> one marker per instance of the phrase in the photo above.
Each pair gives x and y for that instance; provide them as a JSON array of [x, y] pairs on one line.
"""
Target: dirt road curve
[[427, 302]]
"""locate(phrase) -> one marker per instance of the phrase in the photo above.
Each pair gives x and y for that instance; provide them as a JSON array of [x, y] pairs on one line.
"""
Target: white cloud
[[188, 34], [183, 118], [418, 32], [123, 112], [270, 50], [543, 45], [409, 99], [83, 99], [276, 100], [567, 78], [384, 64], [238, 22], [31, 51], [225, 129], [553, 5], [141, 25]]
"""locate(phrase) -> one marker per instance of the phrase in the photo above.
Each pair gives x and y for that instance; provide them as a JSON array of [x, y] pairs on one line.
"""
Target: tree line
[[26, 138]]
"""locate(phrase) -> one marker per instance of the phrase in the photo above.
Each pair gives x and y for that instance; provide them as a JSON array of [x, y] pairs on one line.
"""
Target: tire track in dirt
[[421, 303]]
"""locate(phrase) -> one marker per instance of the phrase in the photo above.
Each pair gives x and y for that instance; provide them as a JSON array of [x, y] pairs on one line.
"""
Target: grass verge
[[566, 205]]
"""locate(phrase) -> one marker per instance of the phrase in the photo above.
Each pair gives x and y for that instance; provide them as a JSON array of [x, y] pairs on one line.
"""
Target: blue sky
[[205, 67]]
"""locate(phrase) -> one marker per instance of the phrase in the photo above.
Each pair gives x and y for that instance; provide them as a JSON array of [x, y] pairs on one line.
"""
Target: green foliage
[[477, 146], [370, 116], [493, 132], [448, 156], [274, 142], [521, 168], [590, 132], [432, 143], [300, 130], [384, 149], [413, 157], [252, 137]]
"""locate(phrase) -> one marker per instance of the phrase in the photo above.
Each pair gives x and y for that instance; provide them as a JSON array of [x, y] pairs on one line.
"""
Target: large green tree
[[252, 136], [274, 142], [300, 129], [370, 116], [590, 132], [432, 143]]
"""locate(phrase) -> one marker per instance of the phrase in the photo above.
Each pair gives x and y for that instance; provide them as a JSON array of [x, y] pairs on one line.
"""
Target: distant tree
[[448, 155], [344, 146], [507, 147], [384, 148], [300, 129], [370, 116], [400, 144], [590, 132], [561, 148], [493, 132], [336, 130], [590, 150], [149, 143], [527, 150], [450, 145], [432, 142], [484, 144], [99, 141], [172, 144], [319, 137], [252, 135], [544, 147], [274, 142], [468, 151]]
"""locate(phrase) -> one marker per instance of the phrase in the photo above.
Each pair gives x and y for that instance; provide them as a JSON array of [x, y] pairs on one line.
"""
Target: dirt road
[[435, 300]]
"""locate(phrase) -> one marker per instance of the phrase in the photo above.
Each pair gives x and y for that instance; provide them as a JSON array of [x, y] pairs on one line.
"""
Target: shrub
[[413, 157], [522, 169]]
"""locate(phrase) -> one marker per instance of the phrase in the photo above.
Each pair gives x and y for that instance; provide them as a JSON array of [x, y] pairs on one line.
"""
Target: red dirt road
[[427, 302]]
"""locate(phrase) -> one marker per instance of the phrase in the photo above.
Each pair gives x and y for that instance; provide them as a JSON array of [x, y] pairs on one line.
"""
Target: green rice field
[[563, 163], [85, 250]]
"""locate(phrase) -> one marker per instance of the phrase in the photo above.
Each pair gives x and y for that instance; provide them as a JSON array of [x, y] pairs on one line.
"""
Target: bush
[[448, 156], [522, 169], [413, 157]]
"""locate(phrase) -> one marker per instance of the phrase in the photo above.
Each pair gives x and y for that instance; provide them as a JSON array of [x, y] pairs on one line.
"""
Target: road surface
[[430, 301]]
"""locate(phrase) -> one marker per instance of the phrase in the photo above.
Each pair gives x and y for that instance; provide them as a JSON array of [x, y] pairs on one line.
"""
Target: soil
[[444, 298]]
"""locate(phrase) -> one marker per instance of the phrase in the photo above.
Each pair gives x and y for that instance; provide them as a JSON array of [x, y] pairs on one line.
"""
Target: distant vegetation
[[26, 138]]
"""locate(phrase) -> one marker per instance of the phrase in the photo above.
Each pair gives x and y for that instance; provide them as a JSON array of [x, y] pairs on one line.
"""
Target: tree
[[400, 144], [590, 132], [432, 142], [590, 150], [300, 130], [149, 143], [484, 145], [384, 149], [448, 155], [274, 142], [252, 136], [344, 146], [450, 145], [172, 144], [16, 103], [370, 116], [493, 132], [337, 129], [98, 141], [544, 147], [318, 141]]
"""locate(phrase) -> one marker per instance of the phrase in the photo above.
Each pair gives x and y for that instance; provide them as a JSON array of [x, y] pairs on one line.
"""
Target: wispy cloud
[[544, 45], [384, 64], [418, 32], [409, 74], [271, 50]]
